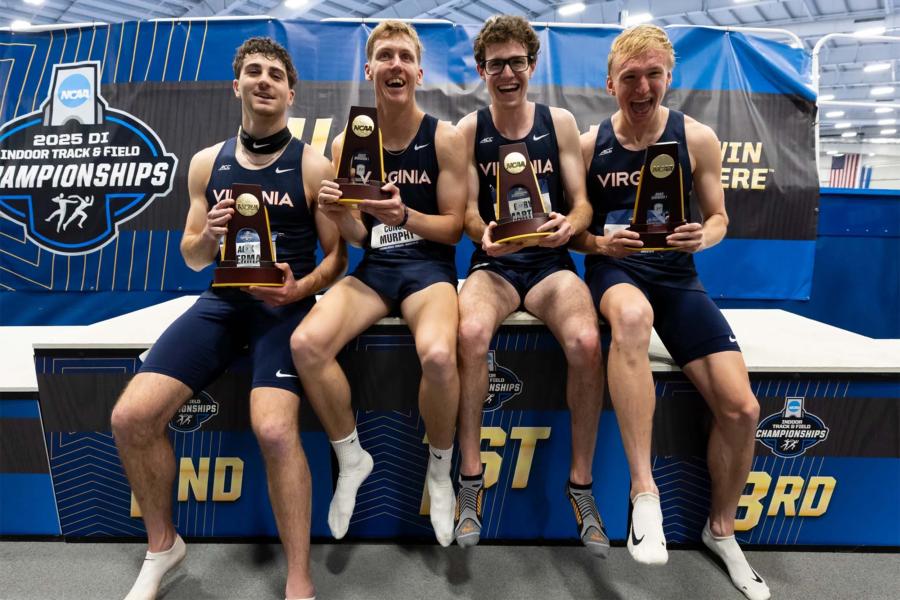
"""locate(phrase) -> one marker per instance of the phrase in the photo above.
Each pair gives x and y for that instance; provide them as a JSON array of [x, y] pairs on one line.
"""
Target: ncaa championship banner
[[98, 125]]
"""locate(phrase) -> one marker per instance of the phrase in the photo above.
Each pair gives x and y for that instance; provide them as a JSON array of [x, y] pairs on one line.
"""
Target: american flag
[[844, 171]]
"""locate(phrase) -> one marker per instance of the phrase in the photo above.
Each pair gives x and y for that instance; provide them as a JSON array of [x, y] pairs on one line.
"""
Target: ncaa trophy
[[520, 207], [247, 254], [659, 202], [361, 158]]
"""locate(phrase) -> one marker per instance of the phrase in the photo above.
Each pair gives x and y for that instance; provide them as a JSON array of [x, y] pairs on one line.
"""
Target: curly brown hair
[[500, 29], [268, 48]]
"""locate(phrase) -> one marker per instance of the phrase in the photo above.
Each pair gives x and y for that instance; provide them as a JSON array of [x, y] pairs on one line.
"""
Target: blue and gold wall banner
[[798, 494], [99, 123]]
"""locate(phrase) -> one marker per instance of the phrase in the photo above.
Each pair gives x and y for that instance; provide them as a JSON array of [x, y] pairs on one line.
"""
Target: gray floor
[[45, 570]]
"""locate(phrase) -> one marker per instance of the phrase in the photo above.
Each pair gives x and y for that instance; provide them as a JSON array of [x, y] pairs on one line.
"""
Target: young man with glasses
[[409, 265], [542, 279]]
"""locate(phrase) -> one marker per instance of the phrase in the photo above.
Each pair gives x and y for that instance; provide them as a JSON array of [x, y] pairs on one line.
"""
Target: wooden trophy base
[[654, 235], [522, 232], [228, 275], [353, 193]]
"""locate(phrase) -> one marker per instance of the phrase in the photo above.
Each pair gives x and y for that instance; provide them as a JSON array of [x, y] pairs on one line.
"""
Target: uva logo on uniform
[[792, 431], [75, 169], [194, 413], [503, 384]]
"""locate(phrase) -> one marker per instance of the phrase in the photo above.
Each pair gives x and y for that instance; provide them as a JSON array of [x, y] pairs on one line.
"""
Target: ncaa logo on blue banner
[[194, 413], [791, 431], [503, 384], [74, 170]]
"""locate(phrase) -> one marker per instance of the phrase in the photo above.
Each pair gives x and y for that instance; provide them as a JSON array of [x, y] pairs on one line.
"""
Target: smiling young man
[[504, 277], [411, 269], [637, 291], [201, 343]]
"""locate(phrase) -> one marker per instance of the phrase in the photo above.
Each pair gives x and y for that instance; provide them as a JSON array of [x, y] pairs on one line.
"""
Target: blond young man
[[542, 279], [409, 265], [200, 344], [637, 291]]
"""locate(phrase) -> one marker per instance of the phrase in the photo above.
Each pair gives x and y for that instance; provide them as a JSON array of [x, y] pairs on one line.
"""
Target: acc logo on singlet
[[74, 170], [503, 384], [792, 431], [194, 413]]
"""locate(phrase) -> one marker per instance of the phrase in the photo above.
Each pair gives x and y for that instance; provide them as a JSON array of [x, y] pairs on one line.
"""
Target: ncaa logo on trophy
[[75, 169]]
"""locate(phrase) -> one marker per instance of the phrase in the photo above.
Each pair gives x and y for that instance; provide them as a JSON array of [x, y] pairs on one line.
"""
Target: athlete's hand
[[687, 238], [329, 192], [217, 218], [619, 244], [390, 211], [559, 237], [494, 249], [278, 296]]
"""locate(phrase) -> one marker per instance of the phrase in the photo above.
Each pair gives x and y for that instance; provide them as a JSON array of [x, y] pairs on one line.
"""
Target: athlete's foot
[[155, 567], [344, 499], [646, 540], [590, 525], [440, 489], [468, 509], [743, 576]]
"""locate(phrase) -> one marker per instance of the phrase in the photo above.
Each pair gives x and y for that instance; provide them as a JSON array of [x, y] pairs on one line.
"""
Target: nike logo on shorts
[[538, 138], [732, 339], [279, 170], [281, 375]]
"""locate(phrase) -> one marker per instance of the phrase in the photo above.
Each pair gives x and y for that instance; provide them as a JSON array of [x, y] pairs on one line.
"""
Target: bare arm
[[574, 169], [334, 262], [704, 149], [204, 226], [473, 224]]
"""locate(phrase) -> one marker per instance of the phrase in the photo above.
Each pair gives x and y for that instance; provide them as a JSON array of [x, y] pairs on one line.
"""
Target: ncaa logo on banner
[[791, 431], [74, 170], [194, 413], [503, 384]]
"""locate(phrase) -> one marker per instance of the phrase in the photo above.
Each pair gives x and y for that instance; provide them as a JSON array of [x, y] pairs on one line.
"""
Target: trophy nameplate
[[247, 254], [519, 207], [360, 170], [660, 196]]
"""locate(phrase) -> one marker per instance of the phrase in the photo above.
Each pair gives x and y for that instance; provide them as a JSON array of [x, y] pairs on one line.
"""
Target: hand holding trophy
[[520, 208], [659, 202], [361, 159], [247, 254]]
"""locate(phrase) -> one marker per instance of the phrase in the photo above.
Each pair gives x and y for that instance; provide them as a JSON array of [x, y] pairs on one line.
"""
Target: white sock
[[354, 465], [742, 574], [646, 540], [156, 565], [440, 489]]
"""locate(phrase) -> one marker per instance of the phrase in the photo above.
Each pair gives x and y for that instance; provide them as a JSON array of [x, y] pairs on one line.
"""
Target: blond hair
[[638, 40], [391, 28]]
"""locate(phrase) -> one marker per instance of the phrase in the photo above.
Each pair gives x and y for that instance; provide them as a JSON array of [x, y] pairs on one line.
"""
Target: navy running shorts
[[686, 319], [221, 325], [523, 277], [396, 278]]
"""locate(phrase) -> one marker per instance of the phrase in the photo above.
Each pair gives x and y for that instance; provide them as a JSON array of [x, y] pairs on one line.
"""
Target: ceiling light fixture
[[875, 68], [888, 131], [571, 9], [882, 90], [884, 109], [843, 125], [826, 97], [848, 134], [870, 31], [834, 114], [886, 121]]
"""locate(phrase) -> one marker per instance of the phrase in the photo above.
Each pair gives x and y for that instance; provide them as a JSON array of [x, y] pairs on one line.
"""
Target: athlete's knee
[[583, 348], [275, 434], [438, 361], [474, 338], [309, 348], [631, 325], [131, 421], [740, 409]]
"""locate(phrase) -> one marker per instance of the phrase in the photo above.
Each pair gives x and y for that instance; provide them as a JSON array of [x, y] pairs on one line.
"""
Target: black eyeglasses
[[517, 64]]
